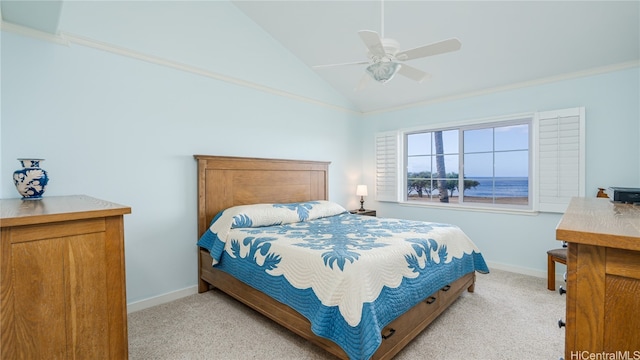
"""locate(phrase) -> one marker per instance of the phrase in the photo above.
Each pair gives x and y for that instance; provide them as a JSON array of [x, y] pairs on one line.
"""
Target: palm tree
[[442, 173]]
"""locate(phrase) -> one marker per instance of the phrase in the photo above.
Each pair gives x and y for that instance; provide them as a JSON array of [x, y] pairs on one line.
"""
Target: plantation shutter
[[561, 158], [387, 160]]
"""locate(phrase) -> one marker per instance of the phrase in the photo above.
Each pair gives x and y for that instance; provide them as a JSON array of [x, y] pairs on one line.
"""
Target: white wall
[[125, 130], [520, 242]]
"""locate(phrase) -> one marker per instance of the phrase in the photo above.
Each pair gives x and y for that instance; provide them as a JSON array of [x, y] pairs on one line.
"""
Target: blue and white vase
[[31, 180]]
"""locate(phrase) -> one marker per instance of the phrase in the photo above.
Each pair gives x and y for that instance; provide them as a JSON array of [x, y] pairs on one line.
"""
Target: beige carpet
[[509, 316]]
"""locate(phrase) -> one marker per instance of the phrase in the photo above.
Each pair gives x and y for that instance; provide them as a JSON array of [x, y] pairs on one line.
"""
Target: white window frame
[[565, 151]]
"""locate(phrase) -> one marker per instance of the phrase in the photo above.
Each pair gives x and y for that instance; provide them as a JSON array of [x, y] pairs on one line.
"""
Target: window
[[521, 162], [472, 164]]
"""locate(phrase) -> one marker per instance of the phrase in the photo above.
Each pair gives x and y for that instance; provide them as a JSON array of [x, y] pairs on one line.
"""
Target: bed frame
[[228, 181]]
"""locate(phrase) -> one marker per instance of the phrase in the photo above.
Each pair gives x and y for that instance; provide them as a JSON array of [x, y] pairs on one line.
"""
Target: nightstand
[[365, 212]]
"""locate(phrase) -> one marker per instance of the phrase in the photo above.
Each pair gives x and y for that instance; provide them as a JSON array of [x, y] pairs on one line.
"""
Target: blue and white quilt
[[350, 275]]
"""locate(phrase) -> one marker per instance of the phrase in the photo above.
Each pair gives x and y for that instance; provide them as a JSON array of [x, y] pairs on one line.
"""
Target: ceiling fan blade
[[413, 73], [373, 42], [342, 64], [429, 50]]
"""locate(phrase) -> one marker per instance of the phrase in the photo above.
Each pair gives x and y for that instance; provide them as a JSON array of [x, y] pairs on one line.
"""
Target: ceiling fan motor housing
[[391, 48]]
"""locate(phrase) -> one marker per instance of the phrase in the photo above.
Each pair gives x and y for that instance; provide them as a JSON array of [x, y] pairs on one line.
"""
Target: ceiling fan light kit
[[383, 71]]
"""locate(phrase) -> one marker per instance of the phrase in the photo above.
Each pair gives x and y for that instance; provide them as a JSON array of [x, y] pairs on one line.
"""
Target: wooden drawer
[[399, 332]]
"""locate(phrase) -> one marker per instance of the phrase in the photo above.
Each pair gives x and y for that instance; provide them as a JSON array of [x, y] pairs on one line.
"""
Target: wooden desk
[[603, 277]]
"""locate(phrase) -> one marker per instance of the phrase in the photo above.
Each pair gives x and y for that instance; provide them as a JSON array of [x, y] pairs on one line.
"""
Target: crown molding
[[32, 33], [66, 39], [87, 42], [514, 86]]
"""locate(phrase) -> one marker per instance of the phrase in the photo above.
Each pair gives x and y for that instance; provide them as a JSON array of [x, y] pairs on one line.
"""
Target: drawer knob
[[561, 323], [561, 290]]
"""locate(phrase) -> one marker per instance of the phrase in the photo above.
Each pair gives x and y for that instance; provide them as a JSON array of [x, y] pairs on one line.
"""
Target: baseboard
[[161, 299], [560, 269]]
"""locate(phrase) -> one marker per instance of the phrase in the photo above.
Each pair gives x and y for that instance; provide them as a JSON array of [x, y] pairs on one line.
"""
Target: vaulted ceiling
[[505, 44]]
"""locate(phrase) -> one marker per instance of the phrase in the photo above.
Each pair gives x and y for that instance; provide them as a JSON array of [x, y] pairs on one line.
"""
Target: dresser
[[62, 279], [603, 278]]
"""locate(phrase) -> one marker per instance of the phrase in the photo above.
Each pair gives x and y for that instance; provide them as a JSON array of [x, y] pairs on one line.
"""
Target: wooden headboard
[[225, 181]]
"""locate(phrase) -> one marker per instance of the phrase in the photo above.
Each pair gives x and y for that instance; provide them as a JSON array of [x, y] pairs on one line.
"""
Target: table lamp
[[361, 191]]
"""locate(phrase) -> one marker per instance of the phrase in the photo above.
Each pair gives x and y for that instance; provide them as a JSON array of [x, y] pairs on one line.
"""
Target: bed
[[259, 218]]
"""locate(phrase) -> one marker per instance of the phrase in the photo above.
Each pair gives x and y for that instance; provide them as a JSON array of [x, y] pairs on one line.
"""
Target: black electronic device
[[624, 195]]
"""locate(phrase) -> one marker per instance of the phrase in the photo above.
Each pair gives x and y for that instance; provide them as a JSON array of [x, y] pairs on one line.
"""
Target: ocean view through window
[[527, 162], [478, 164]]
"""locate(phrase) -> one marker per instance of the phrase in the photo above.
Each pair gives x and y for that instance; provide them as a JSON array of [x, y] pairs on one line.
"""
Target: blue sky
[[501, 149]]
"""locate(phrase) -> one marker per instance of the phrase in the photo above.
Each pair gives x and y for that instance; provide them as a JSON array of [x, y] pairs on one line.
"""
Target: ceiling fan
[[385, 59]]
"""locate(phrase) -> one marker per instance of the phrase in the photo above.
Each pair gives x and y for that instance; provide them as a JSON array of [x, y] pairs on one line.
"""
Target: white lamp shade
[[361, 190]]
